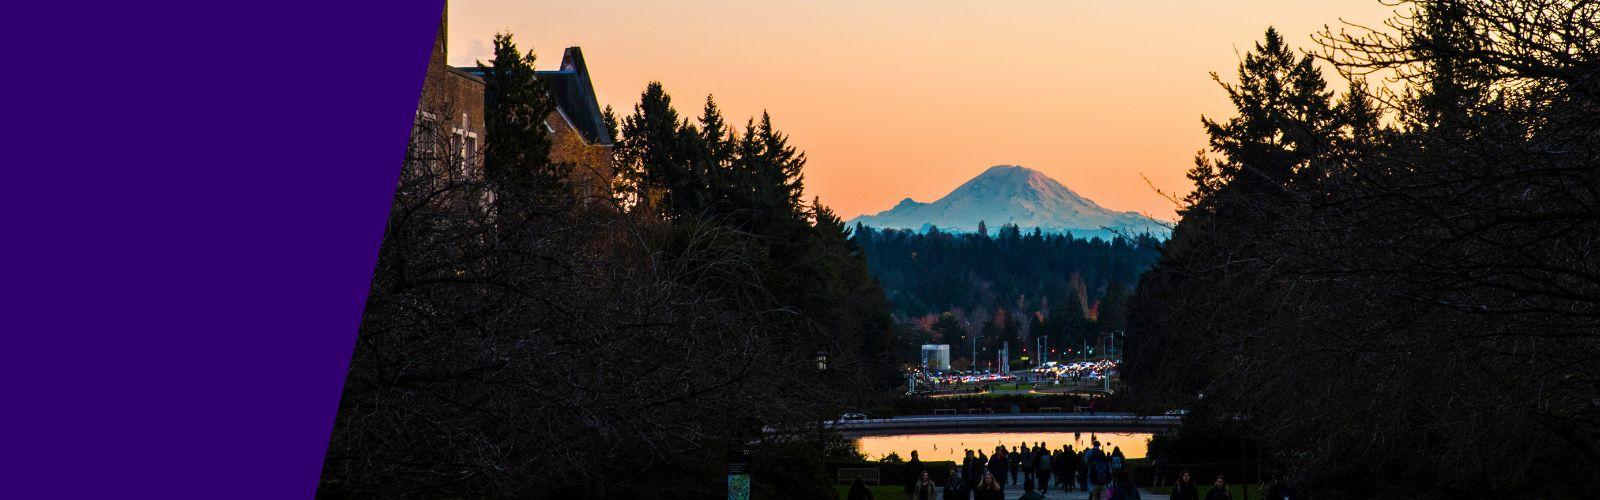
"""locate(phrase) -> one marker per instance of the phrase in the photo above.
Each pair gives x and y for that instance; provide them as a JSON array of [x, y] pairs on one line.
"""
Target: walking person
[[989, 489], [969, 472], [1099, 473], [1185, 489], [1055, 468], [1028, 493], [1025, 461], [997, 465], [1015, 460], [1066, 463], [1158, 464], [1042, 472], [1122, 487], [955, 488], [859, 491], [1083, 469], [925, 489], [1219, 490], [913, 472]]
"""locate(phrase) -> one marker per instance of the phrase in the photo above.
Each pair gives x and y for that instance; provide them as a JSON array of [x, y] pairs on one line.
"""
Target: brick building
[[578, 135]]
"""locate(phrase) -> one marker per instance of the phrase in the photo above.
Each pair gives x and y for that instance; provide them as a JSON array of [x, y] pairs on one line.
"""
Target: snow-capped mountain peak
[[1017, 195]]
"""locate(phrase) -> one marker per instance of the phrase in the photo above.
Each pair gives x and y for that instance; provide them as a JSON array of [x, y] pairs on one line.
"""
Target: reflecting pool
[[933, 447]]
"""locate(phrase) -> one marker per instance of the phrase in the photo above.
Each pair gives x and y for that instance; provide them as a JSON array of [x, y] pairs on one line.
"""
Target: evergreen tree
[[1113, 311], [1413, 261], [933, 272], [1068, 323], [515, 104], [778, 171], [653, 161], [751, 183], [608, 119], [1285, 120], [714, 159]]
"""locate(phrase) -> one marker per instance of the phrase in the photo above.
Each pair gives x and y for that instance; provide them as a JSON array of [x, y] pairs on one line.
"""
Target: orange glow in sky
[[895, 98]]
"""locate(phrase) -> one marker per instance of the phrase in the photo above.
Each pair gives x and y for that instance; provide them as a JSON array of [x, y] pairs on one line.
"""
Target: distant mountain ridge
[[1016, 195]]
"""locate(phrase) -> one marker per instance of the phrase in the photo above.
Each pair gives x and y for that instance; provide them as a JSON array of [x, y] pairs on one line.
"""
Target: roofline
[[465, 73]]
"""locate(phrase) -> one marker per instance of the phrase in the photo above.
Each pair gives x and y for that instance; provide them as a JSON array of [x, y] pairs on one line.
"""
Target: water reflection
[[932, 447]]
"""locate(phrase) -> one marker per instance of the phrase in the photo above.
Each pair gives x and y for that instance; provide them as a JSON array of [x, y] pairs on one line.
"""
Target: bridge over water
[[1006, 422]]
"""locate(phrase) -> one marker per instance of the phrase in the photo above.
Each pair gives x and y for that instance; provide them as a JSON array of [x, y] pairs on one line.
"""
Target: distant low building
[[936, 356], [578, 135]]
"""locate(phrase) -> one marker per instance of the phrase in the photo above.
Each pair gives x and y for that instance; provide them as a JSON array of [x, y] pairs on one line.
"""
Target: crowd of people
[[1100, 475], [1097, 474], [981, 475]]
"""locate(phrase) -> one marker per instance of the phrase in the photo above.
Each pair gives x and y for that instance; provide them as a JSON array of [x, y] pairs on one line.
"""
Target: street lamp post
[[974, 351]]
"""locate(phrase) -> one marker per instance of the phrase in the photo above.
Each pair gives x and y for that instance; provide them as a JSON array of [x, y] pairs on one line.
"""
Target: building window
[[456, 151]]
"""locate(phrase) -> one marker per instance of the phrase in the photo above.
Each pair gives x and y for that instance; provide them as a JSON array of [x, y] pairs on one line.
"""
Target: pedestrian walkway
[[1015, 490]]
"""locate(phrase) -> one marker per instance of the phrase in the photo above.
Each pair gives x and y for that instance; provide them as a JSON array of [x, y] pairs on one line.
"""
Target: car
[[1180, 412], [852, 416]]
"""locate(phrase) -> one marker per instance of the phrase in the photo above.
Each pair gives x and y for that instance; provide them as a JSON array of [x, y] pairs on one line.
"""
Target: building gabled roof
[[574, 96]]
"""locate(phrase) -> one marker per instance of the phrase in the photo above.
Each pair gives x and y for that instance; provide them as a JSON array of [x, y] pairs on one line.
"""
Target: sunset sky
[[894, 98]]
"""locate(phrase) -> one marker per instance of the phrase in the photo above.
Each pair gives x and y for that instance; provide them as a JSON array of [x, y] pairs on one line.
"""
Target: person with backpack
[[1116, 459], [1099, 473], [1042, 472]]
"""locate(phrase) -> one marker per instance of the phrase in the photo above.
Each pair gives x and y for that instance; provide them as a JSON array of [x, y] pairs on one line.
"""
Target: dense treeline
[[521, 341], [1396, 288], [750, 181], [935, 272], [954, 288]]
